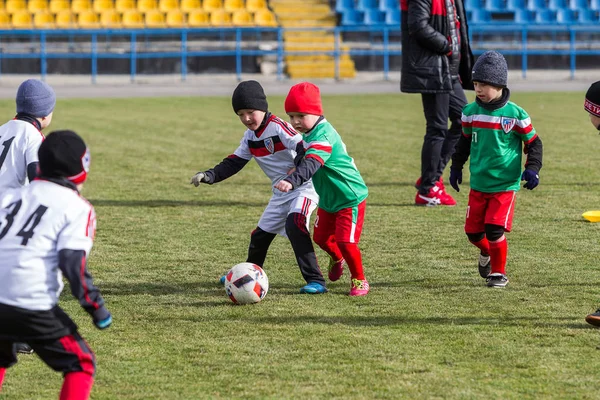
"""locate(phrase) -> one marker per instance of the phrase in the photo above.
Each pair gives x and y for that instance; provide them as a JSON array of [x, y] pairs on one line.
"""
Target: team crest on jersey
[[269, 145], [507, 124]]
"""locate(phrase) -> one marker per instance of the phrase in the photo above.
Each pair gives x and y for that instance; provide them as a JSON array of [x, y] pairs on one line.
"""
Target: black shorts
[[51, 334]]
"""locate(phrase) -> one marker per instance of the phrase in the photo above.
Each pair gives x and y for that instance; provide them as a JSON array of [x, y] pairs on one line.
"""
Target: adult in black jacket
[[436, 62]]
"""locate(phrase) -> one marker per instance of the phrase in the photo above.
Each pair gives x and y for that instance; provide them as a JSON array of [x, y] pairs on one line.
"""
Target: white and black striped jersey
[[19, 145], [41, 224]]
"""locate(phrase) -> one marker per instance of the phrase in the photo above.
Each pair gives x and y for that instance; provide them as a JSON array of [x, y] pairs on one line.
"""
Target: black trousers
[[439, 141]]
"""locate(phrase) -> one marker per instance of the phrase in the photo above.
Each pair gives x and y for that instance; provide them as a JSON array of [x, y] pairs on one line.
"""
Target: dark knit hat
[[249, 95], [36, 98], [491, 68], [592, 99], [304, 98], [63, 154]]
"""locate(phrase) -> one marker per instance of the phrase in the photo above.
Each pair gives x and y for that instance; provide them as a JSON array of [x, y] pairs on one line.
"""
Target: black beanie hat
[[249, 95], [63, 154], [491, 68], [592, 99]]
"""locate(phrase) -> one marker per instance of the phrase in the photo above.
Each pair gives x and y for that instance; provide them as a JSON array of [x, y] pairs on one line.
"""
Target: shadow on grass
[[173, 203]]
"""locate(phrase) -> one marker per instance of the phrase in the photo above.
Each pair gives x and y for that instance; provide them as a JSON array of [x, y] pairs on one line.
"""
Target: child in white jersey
[[47, 230], [274, 144]]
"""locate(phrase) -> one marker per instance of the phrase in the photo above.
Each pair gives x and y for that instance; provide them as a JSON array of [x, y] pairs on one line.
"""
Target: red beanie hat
[[304, 98]]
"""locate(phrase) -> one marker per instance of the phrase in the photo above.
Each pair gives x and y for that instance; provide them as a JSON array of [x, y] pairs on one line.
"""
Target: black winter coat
[[425, 32]]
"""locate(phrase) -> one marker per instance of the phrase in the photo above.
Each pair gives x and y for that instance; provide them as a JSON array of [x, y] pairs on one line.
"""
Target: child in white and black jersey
[[47, 230], [274, 144]]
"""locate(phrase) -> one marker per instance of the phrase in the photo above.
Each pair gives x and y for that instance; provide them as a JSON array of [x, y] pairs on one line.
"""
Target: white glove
[[198, 178]]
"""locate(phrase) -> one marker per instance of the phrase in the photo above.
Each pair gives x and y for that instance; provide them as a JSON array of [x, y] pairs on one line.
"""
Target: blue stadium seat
[[343, 5], [578, 5], [514, 5], [524, 16], [471, 5], [374, 16], [392, 17], [545, 16], [587, 16], [595, 5], [535, 5], [565, 16], [557, 4], [495, 5], [386, 5], [480, 16], [352, 17], [364, 5]]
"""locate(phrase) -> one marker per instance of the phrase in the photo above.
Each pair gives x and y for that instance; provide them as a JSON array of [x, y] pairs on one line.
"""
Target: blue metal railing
[[385, 46]]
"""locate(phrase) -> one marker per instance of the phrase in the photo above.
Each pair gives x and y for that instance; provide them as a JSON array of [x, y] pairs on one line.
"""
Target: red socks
[[353, 258], [76, 386], [2, 372], [483, 245], [498, 252], [330, 246]]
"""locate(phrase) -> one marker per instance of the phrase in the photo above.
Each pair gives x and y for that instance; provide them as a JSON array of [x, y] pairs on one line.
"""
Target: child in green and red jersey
[[336, 179], [494, 131]]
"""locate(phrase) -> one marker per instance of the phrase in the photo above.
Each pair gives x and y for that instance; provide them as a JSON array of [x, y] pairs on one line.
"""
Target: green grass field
[[430, 328]]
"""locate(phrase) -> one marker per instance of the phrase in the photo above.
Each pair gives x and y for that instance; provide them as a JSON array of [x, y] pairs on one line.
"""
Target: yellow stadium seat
[[147, 5], [43, 20], [220, 18], [265, 18], [242, 18], [210, 5], [110, 19], [125, 5], [168, 5], [190, 5], [37, 5], [65, 19], [155, 19], [4, 19], [78, 6], [198, 18], [133, 19], [13, 6], [234, 5], [255, 5], [2, 5], [59, 5], [175, 19], [103, 5], [88, 20], [22, 19]]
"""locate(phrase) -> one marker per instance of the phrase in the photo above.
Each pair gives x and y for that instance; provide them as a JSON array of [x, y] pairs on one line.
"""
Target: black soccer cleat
[[484, 266], [593, 319], [24, 348]]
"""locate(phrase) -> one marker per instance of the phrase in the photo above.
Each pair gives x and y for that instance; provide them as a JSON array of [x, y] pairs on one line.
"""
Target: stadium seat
[[578, 5], [4, 20], [595, 5], [168, 5], [125, 5], [198, 18], [133, 19], [265, 18], [373, 17], [220, 18], [210, 5], [13, 6], [190, 5], [524, 16], [110, 19], [471, 5], [545, 17], [233, 5], [34, 6], [155, 19], [495, 5], [43, 20], [255, 5], [21, 19], [364, 5], [392, 17], [352, 17], [65, 19], [480, 16], [343, 5], [515, 5], [566, 16], [557, 4], [59, 5], [242, 18], [536, 5], [587, 17], [147, 5], [175, 19], [103, 5], [387, 5], [78, 6], [88, 19]]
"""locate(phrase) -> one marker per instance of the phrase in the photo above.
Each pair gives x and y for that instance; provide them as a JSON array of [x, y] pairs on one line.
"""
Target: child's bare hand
[[283, 186]]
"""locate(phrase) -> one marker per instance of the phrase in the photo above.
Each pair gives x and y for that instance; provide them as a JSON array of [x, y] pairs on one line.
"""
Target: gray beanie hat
[[36, 98], [491, 68]]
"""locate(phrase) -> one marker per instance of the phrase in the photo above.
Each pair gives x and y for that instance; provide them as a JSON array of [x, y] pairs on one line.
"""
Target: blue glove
[[532, 178], [102, 318], [455, 178]]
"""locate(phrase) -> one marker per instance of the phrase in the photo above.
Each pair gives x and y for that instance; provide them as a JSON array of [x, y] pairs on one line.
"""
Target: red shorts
[[490, 208], [345, 225]]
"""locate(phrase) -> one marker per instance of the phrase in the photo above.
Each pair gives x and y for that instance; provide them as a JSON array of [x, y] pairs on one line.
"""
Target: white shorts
[[275, 214]]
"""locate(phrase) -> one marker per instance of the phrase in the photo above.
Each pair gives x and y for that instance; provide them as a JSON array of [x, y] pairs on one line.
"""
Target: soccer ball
[[246, 283]]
